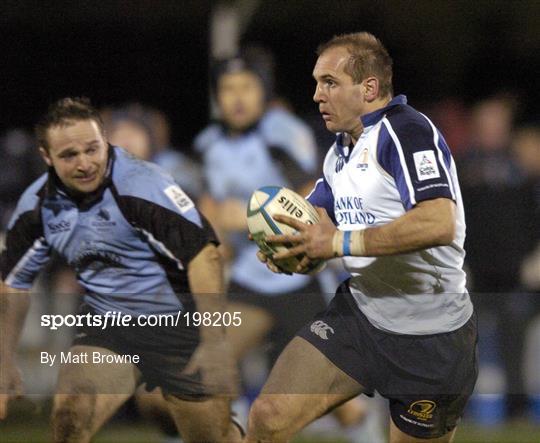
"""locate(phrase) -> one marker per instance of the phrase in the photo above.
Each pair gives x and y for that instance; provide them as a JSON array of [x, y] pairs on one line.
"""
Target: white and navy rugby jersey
[[399, 160], [129, 243], [280, 150]]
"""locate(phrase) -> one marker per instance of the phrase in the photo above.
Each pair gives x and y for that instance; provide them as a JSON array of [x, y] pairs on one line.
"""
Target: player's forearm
[[205, 273], [429, 224], [225, 216], [14, 305]]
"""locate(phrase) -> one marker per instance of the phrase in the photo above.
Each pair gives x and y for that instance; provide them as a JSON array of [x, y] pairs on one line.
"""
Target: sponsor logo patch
[[57, 227], [94, 256], [179, 198], [321, 329], [426, 165]]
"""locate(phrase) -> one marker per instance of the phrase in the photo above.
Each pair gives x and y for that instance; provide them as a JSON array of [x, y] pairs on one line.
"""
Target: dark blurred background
[[157, 51]]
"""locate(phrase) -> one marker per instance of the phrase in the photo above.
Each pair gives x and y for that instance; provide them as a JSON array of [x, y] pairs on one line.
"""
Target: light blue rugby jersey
[[279, 151], [129, 243], [399, 160]]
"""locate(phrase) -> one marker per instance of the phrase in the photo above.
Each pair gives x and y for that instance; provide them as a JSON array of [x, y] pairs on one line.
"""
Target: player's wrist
[[349, 243], [337, 243], [357, 243]]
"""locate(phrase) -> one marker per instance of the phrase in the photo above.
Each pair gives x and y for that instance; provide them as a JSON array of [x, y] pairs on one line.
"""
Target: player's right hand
[[10, 385], [263, 258]]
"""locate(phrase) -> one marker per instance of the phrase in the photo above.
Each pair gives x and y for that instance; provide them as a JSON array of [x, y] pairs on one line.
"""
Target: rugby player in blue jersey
[[403, 324], [139, 247]]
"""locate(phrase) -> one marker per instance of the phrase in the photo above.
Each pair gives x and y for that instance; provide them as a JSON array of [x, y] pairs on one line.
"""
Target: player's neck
[[373, 106]]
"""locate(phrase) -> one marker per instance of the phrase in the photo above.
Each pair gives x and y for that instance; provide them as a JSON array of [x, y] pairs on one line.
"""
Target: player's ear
[[371, 88], [45, 156]]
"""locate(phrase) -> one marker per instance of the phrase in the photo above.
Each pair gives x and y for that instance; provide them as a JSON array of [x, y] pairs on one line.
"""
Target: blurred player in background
[[145, 133], [249, 147], [403, 324], [255, 144], [490, 180], [139, 247]]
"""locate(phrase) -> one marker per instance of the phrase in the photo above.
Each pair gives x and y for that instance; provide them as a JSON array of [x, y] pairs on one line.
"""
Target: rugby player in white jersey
[[390, 205]]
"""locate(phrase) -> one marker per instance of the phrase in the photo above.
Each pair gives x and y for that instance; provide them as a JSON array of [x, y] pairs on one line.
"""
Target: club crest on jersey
[[426, 165], [103, 219], [364, 156]]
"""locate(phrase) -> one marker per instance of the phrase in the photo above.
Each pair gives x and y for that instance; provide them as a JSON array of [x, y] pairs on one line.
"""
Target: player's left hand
[[314, 241]]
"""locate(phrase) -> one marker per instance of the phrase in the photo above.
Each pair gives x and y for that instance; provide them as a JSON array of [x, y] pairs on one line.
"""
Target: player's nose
[[317, 96], [84, 163]]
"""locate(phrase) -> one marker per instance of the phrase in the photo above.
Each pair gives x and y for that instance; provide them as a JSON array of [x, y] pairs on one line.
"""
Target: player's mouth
[[87, 178], [325, 115]]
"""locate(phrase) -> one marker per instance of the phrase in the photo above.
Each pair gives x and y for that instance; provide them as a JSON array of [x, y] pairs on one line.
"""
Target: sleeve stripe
[[401, 160], [320, 180], [21, 264], [162, 248], [441, 156]]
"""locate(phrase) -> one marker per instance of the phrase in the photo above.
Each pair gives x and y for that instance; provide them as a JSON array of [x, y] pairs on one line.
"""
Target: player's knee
[[72, 418], [267, 418]]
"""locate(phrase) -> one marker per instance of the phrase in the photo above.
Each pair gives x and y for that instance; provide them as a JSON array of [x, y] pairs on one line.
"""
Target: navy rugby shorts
[[426, 378]]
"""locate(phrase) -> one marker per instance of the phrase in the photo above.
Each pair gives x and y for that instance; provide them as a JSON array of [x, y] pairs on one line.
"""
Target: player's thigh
[[302, 386], [398, 436], [90, 392], [255, 326]]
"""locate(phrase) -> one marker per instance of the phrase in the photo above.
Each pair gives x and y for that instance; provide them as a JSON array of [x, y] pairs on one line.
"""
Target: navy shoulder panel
[[411, 149], [146, 181]]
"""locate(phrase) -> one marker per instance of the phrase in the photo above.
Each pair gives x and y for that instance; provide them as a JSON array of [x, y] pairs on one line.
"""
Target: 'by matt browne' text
[[94, 357]]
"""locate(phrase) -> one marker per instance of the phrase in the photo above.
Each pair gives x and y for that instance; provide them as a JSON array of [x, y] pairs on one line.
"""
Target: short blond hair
[[368, 57]]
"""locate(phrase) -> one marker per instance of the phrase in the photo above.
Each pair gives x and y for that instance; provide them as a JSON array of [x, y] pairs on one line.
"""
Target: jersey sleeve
[[26, 251], [164, 214], [321, 196], [416, 155]]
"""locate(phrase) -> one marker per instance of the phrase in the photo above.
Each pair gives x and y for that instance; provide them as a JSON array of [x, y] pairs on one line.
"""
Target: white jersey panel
[[416, 293]]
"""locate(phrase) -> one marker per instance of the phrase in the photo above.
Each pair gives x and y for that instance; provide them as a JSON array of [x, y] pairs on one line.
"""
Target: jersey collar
[[373, 117], [343, 140]]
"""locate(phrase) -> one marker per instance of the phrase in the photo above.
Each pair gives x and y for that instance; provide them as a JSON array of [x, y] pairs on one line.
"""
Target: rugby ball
[[268, 201]]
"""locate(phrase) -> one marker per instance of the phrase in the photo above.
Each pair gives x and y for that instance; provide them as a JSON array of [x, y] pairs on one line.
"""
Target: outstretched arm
[[213, 356]]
